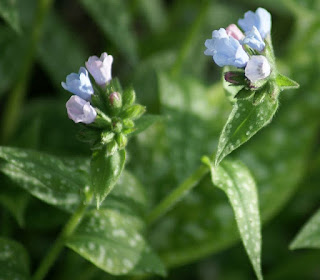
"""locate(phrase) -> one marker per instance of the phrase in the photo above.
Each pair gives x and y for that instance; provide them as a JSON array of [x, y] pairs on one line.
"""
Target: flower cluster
[[232, 47], [78, 107], [108, 112]]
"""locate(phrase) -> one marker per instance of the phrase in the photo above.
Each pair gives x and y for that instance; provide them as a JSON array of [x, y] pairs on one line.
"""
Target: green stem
[[189, 42], [177, 194], [57, 247], [15, 99]]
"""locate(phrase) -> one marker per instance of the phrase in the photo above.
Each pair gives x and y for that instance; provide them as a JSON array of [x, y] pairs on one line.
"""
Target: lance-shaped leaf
[[46, 177], [112, 241], [14, 261], [309, 236], [235, 180], [105, 171], [285, 83], [244, 121]]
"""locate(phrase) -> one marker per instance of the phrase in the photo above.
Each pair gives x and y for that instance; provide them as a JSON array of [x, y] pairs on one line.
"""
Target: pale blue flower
[[79, 110], [261, 19], [225, 49], [79, 84], [253, 39]]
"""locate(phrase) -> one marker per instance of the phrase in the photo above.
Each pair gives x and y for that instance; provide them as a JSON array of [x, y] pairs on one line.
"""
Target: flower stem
[[177, 194], [58, 245], [15, 99]]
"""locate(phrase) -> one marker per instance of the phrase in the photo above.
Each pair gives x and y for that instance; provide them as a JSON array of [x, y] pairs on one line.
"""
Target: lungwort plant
[[112, 198]]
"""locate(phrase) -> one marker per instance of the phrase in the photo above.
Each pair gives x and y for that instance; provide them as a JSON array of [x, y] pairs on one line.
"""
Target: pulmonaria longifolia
[[244, 49], [101, 105]]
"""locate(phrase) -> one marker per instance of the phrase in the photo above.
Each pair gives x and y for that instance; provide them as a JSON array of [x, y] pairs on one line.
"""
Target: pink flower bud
[[235, 32], [115, 100]]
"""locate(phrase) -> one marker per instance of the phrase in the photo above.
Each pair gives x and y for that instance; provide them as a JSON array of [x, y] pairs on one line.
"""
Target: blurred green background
[[43, 41]]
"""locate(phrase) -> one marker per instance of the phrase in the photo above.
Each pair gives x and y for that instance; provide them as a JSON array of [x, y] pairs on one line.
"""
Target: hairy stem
[[177, 194], [15, 98]]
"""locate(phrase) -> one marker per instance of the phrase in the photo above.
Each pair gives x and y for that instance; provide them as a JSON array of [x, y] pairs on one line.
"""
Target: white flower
[[100, 68], [79, 110], [257, 68]]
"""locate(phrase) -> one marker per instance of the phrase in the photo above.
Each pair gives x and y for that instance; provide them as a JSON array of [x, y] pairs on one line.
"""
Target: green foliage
[[113, 242], [14, 260], [105, 171], [186, 113], [309, 236], [114, 19], [9, 12], [46, 177], [245, 120], [237, 182]]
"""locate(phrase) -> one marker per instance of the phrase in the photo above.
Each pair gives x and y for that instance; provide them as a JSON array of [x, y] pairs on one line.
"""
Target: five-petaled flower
[[225, 49]]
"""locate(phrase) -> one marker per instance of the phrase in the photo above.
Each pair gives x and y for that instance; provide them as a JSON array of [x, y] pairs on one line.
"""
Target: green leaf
[[14, 261], [285, 83], [244, 94], [64, 49], [148, 263], [9, 12], [144, 122], [112, 241], [46, 177], [12, 47], [309, 235], [114, 18], [105, 171], [13, 199], [236, 181], [193, 120], [244, 121]]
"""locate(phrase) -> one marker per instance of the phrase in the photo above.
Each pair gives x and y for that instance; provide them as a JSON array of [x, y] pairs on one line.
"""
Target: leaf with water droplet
[[14, 260], [53, 180], [244, 121], [309, 235], [105, 171], [235, 180], [112, 240]]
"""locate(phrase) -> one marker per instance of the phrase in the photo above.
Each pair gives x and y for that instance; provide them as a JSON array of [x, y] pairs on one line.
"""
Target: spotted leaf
[[14, 261], [244, 121], [309, 236], [236, 181], [112, 241], [44, 176], [105, 171]]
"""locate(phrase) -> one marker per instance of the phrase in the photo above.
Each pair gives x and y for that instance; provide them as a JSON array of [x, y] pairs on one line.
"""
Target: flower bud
[[235, 32], [129, 96], [235, 78], [133, 112], [80, 110], [115, 100], [122, 140], [100, 68], [257, 68], [107, 137]]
